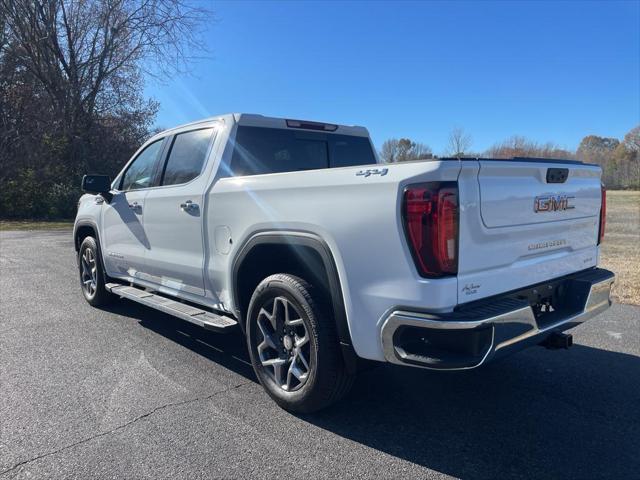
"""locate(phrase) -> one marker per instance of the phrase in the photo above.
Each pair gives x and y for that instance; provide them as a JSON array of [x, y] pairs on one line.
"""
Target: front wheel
[[293, 345], [91, 274]]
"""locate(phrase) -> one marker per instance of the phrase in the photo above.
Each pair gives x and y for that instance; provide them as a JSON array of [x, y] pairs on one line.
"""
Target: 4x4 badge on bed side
[[372, 171]]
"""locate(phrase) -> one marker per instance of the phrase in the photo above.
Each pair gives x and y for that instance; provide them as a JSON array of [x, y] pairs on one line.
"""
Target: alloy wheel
[[284, 348], [89, 272]]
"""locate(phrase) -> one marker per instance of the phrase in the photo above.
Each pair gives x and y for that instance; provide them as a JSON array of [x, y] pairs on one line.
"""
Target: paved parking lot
[[129, 392]]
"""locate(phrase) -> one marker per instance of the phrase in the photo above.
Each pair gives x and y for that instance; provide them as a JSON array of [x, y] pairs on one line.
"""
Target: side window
[[141, 172], [348, 151], [186, 156], [259, 150]]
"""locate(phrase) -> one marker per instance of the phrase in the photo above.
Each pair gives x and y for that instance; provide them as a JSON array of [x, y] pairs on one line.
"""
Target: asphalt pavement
[[128, 392]]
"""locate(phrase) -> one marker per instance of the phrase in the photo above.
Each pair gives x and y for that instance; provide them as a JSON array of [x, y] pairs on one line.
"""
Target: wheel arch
[[296, 252], [84, 229]]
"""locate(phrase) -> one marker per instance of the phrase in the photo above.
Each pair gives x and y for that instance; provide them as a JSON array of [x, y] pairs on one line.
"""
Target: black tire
[[327, 380], [94, 293]]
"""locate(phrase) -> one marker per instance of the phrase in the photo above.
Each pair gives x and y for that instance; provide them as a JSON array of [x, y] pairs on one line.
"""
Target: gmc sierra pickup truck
[[324, 258]]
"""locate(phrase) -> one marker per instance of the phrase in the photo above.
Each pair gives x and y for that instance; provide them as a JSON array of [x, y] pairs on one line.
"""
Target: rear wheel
[[293, 345], [91, 273]]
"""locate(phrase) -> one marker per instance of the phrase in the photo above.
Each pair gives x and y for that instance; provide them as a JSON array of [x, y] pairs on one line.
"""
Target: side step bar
[[202, 318]]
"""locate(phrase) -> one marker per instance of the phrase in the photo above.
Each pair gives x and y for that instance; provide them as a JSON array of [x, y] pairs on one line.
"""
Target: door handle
[[188, 206], [136, 207]]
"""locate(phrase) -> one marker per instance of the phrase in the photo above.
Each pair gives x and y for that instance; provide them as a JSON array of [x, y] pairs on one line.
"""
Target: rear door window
[[186, 157], [273, 150], [259, 150], [347, 151]]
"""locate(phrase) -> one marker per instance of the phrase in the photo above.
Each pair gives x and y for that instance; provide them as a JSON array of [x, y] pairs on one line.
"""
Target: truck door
[[174, 214], [123, 234]]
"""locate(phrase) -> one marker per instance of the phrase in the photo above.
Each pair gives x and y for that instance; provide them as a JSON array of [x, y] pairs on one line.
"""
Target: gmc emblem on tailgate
[[552, 203]]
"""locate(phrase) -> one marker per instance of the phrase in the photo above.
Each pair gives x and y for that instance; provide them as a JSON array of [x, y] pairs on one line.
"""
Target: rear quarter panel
[[359, 219]]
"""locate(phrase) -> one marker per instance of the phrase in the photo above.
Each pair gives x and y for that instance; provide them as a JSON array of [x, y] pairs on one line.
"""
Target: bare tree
[[71, 90], [628, 156], [88, 55], [394, 150], [389, 150], [405, 150], [459, 142], [422, 151], [632, 139]]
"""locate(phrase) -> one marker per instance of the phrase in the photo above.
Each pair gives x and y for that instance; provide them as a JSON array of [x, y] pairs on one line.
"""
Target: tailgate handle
[[557, 175]]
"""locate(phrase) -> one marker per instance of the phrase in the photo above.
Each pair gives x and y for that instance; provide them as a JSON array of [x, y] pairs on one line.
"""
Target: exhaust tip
[[558, 340]]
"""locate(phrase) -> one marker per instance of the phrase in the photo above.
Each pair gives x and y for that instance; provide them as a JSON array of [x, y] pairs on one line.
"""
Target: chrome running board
[[202, 318]]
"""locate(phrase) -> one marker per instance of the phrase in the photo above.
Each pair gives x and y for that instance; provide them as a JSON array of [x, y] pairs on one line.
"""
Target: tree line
[[71, 83], [619, 158]]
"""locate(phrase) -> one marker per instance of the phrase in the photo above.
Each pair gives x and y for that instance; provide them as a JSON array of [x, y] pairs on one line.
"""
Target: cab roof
[[256, 120]]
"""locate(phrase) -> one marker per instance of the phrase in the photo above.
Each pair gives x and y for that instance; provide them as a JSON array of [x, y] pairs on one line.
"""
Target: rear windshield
[[259, 150]]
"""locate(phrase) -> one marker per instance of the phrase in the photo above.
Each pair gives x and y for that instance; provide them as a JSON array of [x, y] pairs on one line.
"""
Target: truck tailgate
[[525, 222], [517, 193]]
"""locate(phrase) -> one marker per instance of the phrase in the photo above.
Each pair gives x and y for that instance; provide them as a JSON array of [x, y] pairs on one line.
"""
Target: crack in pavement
[[123, 426]]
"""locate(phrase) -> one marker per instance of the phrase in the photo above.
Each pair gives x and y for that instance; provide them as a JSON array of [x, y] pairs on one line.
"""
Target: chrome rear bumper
[[470, 337]]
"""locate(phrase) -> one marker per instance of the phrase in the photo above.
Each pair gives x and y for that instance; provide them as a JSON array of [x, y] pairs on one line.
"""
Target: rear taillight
[[430, 213], [603, 214]]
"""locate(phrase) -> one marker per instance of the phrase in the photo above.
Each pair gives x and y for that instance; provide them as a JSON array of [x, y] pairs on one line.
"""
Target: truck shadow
[[227, 350], [565, 414]]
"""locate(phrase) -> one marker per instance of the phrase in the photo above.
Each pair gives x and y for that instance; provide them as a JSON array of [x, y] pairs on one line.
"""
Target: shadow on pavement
[[227, 350], [565, 414], [568, 414]]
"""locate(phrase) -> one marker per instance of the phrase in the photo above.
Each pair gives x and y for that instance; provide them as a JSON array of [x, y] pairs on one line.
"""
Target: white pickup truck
[[324, 257]]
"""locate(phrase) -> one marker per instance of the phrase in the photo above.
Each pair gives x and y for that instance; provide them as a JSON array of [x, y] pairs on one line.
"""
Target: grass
[[35, 225], [621, 246], [620, 250]]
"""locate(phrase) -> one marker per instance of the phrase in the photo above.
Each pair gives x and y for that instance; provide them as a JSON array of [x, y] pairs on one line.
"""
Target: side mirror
[[100, 184]]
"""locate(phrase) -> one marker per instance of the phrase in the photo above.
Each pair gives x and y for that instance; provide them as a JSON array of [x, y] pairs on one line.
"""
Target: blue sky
[[550, 71]]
